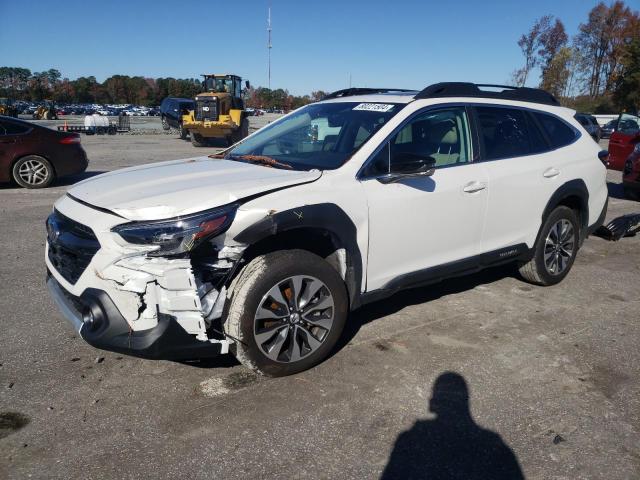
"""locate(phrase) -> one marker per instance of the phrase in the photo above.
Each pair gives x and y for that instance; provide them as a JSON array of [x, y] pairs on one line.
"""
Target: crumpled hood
[[179, 187]]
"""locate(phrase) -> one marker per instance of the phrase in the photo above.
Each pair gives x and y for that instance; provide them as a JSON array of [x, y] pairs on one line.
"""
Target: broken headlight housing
[[177, 235]]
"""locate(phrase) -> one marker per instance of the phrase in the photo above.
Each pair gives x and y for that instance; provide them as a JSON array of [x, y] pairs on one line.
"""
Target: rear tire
[[555, 250], [198, 140], [165, 124], [293, 329], [33, 171]]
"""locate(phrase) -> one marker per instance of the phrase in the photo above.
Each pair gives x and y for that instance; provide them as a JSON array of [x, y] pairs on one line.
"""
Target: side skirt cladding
[[327, 217]]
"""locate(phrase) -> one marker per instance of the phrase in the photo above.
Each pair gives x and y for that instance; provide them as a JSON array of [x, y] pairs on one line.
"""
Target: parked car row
[[28, 108]]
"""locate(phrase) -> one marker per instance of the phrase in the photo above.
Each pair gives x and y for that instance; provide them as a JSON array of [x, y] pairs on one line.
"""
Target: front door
[[423, 222]]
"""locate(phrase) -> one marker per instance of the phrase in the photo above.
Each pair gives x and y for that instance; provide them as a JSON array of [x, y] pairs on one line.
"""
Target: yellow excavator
[[7, 109], [46, 111], [219, 111]]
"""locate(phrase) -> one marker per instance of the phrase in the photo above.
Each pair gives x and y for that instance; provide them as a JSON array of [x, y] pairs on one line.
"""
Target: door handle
[[551, 173], [473, 187]]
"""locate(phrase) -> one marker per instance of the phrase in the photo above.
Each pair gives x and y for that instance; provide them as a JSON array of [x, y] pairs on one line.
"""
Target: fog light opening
[[90, 319]]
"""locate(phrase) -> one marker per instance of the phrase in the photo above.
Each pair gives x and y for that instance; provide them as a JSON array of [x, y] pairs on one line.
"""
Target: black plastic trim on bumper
[[599, 221], [166, 341]]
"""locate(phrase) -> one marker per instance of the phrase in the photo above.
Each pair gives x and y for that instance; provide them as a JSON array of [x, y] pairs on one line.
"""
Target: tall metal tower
[[269, 44]]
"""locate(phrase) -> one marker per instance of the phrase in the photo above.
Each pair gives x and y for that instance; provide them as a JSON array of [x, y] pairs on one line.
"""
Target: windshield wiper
[[262, 160]]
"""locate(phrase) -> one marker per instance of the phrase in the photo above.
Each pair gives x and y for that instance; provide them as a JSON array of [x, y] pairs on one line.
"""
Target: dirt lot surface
[[552, 372]]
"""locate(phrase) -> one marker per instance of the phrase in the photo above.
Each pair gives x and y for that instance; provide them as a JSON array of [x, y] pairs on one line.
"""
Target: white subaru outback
[[264, 249]]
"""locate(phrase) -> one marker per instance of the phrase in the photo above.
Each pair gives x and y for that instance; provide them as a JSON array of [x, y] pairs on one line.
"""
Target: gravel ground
[[552, 375]]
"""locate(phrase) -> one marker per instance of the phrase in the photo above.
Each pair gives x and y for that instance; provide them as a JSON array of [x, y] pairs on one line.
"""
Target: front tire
[[183, 132], [33, 171], [197, 140], [286, 312], [555, 250], [165, 124]]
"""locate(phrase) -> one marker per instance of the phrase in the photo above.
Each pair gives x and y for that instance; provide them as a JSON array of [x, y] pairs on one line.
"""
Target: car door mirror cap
[[408, 165], [397, 177]]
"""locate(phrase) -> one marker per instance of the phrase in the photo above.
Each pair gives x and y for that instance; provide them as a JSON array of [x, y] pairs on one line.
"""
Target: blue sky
[[316, 44]]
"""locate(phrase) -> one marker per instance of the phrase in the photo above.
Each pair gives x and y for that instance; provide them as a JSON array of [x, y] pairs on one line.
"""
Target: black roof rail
[[349, 92], [464, 89]]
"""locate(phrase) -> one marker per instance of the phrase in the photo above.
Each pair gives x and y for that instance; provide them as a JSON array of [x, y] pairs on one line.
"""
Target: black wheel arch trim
[[327, 217], [573, 188]]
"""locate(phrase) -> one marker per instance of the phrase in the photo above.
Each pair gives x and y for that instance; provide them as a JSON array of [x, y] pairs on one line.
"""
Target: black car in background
[[171, 111], [590, 124], [609, 128]]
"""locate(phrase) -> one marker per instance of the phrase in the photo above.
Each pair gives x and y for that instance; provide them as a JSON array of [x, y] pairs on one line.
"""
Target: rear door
[[10, 134], [522, 177], [621, 142]]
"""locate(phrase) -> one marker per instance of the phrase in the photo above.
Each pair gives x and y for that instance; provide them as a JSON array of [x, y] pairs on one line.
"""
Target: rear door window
[[9, 128], [559, 133], [508, 133], [628, 124]]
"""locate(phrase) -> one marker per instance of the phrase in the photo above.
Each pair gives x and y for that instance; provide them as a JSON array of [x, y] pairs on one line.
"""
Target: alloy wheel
[[33, 172], [294, 318], [559, 247]]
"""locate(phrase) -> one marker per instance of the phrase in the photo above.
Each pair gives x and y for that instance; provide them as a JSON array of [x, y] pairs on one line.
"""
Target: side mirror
[[246, 84], [603, 155], [409, 165]]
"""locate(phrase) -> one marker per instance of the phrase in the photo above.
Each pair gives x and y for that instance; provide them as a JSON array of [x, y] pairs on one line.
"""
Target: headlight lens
[[177, 235]]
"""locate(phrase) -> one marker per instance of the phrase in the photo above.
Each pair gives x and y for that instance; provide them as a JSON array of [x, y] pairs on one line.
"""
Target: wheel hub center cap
[[294, 318]]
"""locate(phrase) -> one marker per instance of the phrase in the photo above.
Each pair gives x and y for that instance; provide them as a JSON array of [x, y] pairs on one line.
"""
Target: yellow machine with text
[[219, 111], [46, 111], [7, 109]]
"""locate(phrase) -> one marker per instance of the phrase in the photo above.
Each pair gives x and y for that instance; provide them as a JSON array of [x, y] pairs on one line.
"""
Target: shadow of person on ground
[[452, 446]]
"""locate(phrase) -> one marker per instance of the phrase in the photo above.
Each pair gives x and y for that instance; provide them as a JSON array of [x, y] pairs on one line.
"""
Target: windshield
[[320, 135], [219, 84], [628, 124]]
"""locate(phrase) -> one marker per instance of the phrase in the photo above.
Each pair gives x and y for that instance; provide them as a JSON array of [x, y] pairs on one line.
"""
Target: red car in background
[[631, 173], [33, 156], [623, 140]]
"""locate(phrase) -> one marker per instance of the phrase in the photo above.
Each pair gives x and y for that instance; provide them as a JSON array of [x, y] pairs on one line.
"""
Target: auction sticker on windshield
[[374, 107]]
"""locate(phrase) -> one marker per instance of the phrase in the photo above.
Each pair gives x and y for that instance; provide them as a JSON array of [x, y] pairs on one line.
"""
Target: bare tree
[[529, 43]]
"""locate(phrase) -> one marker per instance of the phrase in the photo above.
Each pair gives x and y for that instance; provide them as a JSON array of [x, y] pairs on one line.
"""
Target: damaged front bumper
[[119, 299], [99, 322]]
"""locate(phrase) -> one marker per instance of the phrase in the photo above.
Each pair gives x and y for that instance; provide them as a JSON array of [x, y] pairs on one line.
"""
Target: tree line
[[598, 70], [20, 83]]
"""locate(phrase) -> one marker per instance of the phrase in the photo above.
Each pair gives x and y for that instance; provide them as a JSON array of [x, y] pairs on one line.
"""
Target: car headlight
[[177, 235]]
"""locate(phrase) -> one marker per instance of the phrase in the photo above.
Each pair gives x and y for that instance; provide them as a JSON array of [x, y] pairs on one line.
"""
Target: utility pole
[[269, 45]]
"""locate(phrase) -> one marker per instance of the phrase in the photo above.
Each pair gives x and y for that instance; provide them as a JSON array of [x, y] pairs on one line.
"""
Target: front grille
[[71, 246], [207, 109]]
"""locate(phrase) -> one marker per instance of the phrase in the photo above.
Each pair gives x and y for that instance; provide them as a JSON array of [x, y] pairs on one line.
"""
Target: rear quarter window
[[559, 133]]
